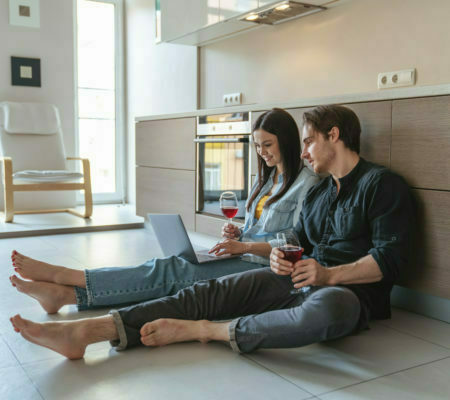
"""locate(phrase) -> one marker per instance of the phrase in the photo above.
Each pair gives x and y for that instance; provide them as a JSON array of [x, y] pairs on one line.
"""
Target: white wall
[[53, 44], [339, 51], [160, 78]]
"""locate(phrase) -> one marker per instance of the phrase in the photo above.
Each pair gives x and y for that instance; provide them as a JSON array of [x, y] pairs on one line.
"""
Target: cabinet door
[[166, 143], [231, 8], [179, 17], [166, 191]]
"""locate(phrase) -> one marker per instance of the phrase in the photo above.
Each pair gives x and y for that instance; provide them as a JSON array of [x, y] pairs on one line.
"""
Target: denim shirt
[[373, 213], [277, 216]]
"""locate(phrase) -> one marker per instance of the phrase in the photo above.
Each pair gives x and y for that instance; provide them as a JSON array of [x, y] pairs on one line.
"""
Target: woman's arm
[[230, 246]]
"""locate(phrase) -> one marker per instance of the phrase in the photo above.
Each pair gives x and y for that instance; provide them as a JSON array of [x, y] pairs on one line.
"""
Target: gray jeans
[[264, 313]]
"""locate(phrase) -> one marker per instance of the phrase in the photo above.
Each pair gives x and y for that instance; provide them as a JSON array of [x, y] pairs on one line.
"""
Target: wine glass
[[292, 250], [229, 205]]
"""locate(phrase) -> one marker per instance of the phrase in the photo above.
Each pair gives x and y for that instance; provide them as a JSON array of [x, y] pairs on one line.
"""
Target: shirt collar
[[351, 177]]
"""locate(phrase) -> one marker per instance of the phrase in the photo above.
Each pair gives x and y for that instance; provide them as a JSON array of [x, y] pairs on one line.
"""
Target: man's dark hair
[[323, 118]]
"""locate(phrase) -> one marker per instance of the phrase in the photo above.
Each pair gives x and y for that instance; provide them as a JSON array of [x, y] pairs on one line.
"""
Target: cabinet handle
[[224, 140]]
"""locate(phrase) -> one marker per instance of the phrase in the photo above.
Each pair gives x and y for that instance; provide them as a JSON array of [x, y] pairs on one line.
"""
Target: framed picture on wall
[[26, 71], [24, 13]]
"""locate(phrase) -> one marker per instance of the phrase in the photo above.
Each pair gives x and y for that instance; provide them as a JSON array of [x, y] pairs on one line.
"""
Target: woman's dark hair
[[281, 124], [323, 118]]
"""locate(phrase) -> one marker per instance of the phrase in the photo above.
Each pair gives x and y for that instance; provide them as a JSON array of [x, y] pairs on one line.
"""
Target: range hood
[[272, 13], [281, 12]]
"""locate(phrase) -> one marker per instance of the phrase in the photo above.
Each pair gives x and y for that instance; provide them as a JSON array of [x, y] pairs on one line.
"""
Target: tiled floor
[[407, 357]]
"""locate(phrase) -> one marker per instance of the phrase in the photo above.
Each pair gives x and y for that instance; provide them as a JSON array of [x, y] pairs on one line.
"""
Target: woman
[[274, 205]]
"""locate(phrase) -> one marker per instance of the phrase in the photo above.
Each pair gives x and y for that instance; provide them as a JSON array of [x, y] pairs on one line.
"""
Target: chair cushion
[[47, 176], [30, 118]]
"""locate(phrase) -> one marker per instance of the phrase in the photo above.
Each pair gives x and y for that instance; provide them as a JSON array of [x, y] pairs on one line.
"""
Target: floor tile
[[115, 248], [15, 385], [324, 367], [430, 382], [7, 358], [26, 244], [182, 371], [432, 330]]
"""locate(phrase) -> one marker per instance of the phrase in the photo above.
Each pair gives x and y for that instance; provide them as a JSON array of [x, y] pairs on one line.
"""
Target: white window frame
[[119, 195]]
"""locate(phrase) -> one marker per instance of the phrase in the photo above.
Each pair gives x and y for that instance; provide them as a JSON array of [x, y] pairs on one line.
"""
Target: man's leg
[[327, 313], [218, 299], [227, 297]]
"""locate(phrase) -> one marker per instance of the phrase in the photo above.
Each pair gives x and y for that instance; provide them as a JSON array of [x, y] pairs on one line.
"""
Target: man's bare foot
[[166, 331], [35, 270], [51, 296], [63, 337]]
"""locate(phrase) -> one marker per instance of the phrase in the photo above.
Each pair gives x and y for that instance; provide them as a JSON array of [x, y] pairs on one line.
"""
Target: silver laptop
[[174, 240]]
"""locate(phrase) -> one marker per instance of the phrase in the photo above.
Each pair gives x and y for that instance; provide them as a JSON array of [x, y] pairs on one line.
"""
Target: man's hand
[[230, 231], [309, 272], [229, 246], [278, 264]]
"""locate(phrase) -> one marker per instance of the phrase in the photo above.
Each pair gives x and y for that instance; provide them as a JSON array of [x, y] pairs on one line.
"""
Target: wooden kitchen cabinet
[[166, 191], [166, 143]]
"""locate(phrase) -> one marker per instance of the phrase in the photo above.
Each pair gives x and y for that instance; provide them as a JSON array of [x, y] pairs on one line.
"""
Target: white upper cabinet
[[200, 22], [180, 17], [231, 8]]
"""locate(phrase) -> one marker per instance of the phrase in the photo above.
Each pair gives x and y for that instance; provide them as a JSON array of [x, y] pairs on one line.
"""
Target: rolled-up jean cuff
[[82, 299], [232, 333], [122, 342], [89, 292]]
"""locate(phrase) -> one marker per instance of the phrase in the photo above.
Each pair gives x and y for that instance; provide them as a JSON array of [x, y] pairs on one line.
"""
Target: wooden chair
[[33, 156]]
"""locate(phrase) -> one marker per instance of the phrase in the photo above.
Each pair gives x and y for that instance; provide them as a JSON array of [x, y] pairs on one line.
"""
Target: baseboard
[[421, 303]]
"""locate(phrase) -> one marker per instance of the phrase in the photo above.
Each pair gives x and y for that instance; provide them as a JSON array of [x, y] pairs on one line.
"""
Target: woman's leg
[[102, 287], [154, 279], [36, 270]]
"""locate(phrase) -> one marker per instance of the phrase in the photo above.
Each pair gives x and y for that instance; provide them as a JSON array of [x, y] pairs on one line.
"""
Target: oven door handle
[[223, 140]]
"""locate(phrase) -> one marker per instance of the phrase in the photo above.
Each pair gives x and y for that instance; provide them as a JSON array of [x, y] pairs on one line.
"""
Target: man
[[355, 228]]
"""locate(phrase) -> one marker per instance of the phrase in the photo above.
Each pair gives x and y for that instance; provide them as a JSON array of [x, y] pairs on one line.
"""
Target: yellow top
[[260, 205]]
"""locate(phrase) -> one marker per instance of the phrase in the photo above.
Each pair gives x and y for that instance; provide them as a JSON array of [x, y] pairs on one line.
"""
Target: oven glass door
[[223, 165]]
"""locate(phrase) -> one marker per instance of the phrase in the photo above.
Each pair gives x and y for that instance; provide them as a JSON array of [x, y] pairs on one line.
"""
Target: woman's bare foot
[[35, 270], [63, 337], [166, 331], [51, 296]]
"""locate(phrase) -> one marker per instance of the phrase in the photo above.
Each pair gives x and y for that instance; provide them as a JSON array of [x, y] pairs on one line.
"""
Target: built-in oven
[[223, 160]]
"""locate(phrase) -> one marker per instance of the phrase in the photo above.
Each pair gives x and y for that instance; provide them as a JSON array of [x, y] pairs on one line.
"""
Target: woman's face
[[267, 147]]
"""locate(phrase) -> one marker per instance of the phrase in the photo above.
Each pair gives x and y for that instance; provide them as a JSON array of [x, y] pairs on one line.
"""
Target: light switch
[[26, 72]]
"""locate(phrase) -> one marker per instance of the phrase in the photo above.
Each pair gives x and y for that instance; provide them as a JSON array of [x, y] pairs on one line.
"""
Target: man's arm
[[310, 272]]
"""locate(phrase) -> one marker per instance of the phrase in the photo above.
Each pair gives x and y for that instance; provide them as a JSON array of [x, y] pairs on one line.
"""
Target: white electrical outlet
[[232, 99], [405, 77]]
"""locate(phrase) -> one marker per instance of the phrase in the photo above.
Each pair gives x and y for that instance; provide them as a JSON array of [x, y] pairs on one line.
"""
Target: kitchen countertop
[[385, 94]]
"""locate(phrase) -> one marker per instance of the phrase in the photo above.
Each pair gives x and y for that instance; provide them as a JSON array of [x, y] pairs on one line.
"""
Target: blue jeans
[[264, 313], [155, 278]]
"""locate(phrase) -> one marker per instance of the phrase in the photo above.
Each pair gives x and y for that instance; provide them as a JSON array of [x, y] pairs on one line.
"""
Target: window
[[99, 95]]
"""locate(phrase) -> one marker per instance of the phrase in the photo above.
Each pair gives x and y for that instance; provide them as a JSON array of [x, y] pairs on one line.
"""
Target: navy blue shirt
[[373, 213]]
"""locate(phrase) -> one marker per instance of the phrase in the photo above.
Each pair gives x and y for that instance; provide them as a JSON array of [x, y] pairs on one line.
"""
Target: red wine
[[292, 254], [229, 211]]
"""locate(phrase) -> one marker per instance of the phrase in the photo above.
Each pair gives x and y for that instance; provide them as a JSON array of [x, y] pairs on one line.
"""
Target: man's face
[[318, 151]]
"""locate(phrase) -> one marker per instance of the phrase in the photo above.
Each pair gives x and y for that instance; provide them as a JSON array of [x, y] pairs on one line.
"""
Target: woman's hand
[[230, 231], [278, 264], [228, 246]]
